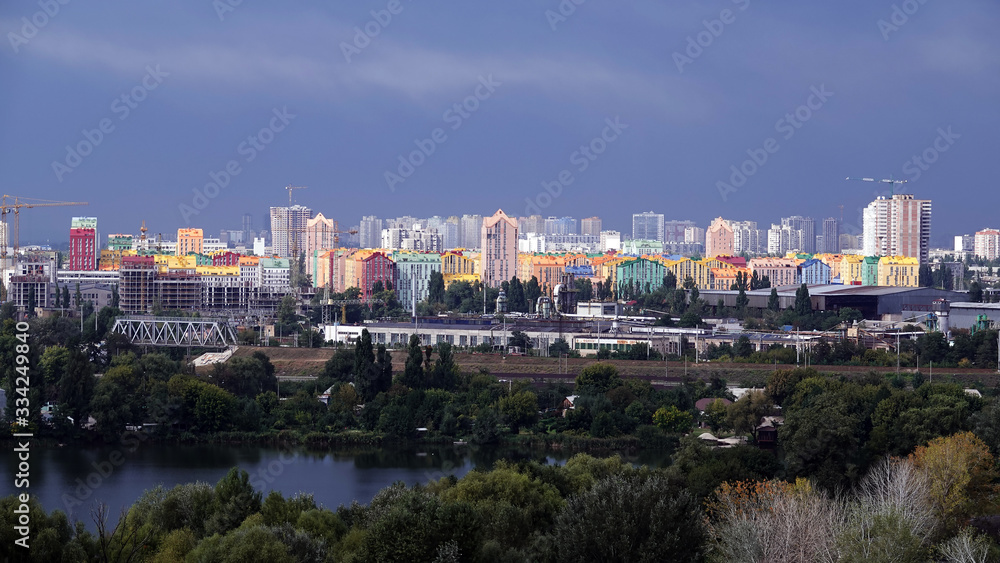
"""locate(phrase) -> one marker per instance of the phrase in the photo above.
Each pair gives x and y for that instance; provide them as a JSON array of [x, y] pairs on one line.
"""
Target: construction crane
[[16, 203], [892, 183]]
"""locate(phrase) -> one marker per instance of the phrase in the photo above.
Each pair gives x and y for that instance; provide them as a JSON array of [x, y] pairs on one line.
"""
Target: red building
[[82, 249], [226, 259], [377, 267]]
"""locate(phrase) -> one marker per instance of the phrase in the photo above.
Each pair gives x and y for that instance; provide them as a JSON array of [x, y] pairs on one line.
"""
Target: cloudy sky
[[637, 106]]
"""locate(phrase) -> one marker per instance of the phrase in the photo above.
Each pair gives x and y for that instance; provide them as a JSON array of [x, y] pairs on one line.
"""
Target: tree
[[520, 340], [741, 303], [340, 367], [716, 415], [631, 517], [690, 319], [743, 348], [413, 373], [532, 291], [58, 301], [445, 372], [673, 419], [670, 280], [585, 288], [519, 410], [516, 300], [803, 305], [597, 379], [559, 347], [744, 415], [435, 287], [364, 356], [975, 292], [961, 473], [925, 276], [772, 300], [287, 320]]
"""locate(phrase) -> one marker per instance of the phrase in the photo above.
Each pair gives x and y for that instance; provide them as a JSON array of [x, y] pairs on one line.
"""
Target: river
[[75, 480]]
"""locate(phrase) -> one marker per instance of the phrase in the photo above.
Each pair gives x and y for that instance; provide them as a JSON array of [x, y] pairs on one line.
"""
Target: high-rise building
[[611, 240], [370, 232], [190, 240], [531, 224], [987, 244], [747, 238], [719, 239], [288, 226], [831, 236], [804, 240], [965, 243], [83, 249], [673, 231], [591, 226], [560, 226], [900, 226], [647, 226], [498, 249], [247, 227], [471, 228], [319, 236]]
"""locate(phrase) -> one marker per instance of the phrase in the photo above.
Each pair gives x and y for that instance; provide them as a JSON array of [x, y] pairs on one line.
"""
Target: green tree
[[32, 302], [413, 373], [519, 410], [672, 419], [803, 305], [975, 292], [516, 300], [743, 348], [670, 280], [744, 415], [772, 300], [435, 287], [287, 319], [236, 500], [632, 517], [597, 379], [532, 291], [559, 347], [520, 340], [925, 276]]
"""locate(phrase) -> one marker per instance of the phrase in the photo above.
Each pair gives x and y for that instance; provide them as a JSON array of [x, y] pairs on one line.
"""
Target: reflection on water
[[76, 479]]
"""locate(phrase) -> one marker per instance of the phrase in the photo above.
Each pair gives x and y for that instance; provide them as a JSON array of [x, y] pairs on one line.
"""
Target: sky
[[192, 113]]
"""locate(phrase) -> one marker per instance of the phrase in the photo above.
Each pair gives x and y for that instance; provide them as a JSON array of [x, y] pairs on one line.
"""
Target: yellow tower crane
[[12, 203]]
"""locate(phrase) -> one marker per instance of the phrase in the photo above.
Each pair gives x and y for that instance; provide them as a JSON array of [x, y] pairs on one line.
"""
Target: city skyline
[[610, 109]]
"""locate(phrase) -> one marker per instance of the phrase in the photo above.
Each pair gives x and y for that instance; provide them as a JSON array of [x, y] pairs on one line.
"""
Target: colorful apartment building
[[899, 271], [189, 240], [641, 273], [413, 276], [780, 271], [498, 247], [850, 269], [82, 249], [869, 270], [376, 267], [685, 268], [814, 272]]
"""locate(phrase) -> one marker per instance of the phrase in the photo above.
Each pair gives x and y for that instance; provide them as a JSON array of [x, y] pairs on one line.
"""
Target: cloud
[[418, 74]]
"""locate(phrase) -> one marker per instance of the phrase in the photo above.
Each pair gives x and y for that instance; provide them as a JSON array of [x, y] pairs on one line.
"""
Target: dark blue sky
[[552, 91]]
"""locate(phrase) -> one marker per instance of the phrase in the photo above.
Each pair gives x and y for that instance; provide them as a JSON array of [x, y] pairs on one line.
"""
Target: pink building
[[82, 249], [377, 267], [781, 271], [498, 243], [719, 239]]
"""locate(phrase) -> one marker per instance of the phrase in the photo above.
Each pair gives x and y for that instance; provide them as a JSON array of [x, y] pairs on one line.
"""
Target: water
[[75, 480]]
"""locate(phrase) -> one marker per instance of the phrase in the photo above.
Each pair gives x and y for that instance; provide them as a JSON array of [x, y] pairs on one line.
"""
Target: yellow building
[[899, 271], [189, 240], [686, 268], [850, 269], [834, 261], [458, 263]]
